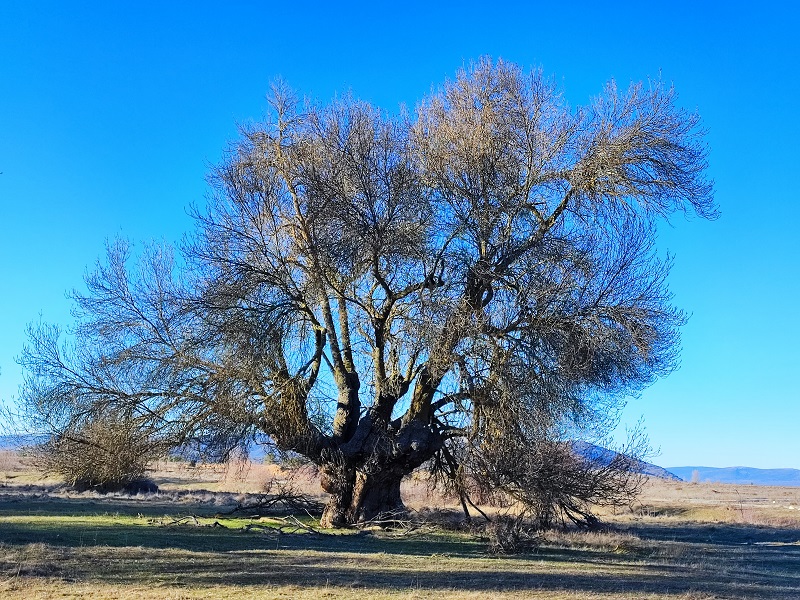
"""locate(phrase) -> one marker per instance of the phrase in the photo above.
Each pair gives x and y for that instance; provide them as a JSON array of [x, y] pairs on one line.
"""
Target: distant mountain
[[17, 441], [739, 475], [734, 475], [605, 456]]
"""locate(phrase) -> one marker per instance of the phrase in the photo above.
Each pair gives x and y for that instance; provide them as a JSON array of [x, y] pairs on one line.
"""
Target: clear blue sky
[[110, 116]]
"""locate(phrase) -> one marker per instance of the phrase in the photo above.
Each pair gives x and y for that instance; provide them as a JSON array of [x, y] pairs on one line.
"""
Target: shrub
[[511, 535], [108, 454]]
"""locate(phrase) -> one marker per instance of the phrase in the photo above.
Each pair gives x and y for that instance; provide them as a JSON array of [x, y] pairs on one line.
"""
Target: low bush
[[104, 455], [511, 535]]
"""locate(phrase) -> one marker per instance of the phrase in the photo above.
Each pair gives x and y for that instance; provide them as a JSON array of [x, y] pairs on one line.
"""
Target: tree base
[[370, 498]]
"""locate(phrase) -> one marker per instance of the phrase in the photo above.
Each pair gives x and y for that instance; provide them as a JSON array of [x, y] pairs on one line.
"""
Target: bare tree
[[377, 292]]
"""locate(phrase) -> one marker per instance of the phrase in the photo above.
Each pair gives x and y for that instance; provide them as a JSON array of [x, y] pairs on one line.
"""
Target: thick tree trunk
[[377, 497], [363, 477], [338, 481], [362, 498]]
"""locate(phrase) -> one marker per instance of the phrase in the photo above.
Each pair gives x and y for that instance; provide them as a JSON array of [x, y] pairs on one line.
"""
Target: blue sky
[[111, 115]]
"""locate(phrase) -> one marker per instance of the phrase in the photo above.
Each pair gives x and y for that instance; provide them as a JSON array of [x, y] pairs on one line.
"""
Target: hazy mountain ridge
[[604, 456], [20, 440], [739, 475], [731, 475]]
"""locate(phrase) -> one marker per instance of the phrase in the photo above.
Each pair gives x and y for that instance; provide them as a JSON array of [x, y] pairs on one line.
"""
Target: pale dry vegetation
[[680, 540], [724, 503]]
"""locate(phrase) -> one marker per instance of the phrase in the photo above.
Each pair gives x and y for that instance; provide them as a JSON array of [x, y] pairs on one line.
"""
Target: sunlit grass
[[680, 541]]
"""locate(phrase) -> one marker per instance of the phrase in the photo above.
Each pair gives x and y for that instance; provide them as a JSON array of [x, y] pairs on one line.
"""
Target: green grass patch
[[57, 544]]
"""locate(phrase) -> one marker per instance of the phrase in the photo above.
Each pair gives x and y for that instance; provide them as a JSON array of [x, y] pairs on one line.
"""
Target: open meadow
[[680, 540]]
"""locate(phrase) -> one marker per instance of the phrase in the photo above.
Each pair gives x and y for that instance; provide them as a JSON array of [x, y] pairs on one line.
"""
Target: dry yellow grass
[[712, 502], [680, 541]]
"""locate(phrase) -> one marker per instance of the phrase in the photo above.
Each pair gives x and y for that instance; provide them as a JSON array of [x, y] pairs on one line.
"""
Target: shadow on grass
[[42, 501], [97, 540], [724, 577], [718, 534], [223, 538]]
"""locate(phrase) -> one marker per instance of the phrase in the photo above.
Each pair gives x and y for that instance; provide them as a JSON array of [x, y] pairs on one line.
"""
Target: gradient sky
[[111, 115]]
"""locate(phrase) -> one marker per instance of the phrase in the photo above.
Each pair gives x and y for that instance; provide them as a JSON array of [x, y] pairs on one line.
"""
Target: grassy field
[[681, 540]]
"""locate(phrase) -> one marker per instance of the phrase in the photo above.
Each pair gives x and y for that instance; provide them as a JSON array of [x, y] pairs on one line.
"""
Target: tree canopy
[[471, 286]]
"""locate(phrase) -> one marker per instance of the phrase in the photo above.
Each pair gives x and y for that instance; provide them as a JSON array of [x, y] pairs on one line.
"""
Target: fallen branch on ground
[[284, 499]]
